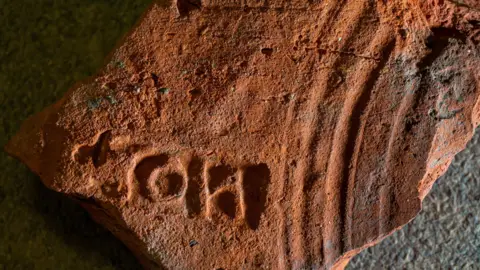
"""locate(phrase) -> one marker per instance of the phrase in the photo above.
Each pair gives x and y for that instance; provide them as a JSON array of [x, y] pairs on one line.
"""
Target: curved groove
[[316, 255], [438, 43], [286, 242], [405, 105], [283, 231], [354, 141], [344, 142]]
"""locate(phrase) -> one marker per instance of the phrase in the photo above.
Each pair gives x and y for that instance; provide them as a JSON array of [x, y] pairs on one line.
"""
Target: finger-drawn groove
[[344, 141], [284, 172], [406, 104], [438, 42], [354, 141], [287, 241], [304, 225]]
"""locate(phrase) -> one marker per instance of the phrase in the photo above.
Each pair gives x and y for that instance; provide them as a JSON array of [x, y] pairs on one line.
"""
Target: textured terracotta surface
[[244, 134]]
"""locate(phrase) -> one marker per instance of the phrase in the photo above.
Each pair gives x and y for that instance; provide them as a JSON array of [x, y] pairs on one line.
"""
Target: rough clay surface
[[287, 134]]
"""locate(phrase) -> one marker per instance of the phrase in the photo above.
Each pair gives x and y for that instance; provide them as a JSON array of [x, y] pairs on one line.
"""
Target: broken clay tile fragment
[[265, 134]]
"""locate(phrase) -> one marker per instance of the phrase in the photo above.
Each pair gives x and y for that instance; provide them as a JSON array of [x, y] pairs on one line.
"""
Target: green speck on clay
[[111, 99], [163, 90], [94, 103], [120, 64]]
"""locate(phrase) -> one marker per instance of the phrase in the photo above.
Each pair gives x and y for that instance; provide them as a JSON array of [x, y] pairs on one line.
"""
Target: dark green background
[[46, 46]]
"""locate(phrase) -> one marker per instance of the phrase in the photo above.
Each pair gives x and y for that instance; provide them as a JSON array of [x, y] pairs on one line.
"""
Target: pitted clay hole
[[267, 51]]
